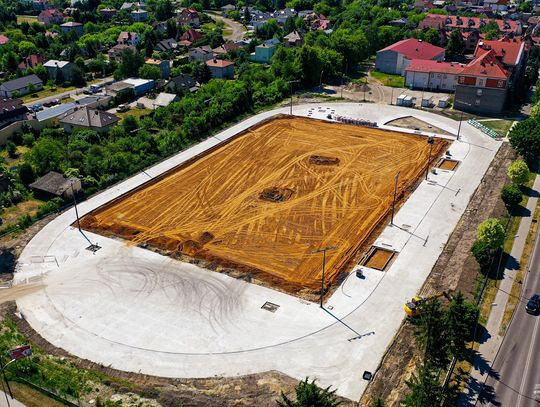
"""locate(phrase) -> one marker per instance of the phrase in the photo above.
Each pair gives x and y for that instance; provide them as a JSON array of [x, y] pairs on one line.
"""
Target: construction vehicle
[[413, 307]]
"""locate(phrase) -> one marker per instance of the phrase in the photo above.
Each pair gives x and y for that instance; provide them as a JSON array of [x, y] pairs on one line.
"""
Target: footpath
[[491, 340], [12, 402]]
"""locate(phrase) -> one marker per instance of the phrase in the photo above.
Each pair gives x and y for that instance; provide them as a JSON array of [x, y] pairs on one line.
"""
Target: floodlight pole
[[430, 141], [395, 196], [76, 210], [323, 250], [459, 127], [290, 85]]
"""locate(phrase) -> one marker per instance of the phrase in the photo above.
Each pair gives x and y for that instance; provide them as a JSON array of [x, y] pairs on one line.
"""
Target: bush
[[49, 207], [511, 195], [491, 231], [28, 139], [11, 149], [518, 172]]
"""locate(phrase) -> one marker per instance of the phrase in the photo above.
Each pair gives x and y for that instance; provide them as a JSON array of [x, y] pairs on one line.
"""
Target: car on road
[[533, 305], [123, 108], [37, 108]]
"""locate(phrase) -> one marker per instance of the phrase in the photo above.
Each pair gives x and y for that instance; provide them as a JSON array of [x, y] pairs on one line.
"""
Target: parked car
[[533, 305], [48, 103], [56, 102], [37, 108], [88, 92], [122, 108]]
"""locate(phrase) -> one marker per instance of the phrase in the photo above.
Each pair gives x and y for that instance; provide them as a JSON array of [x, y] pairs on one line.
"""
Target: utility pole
[[430, 141], [323, 250], [290, 85], [395, 196], [461, 116]]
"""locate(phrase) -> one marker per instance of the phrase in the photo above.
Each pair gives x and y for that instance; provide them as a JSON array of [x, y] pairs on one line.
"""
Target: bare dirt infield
[[265, 200]]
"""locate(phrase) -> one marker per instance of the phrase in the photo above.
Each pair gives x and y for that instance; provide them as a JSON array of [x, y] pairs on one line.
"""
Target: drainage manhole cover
[[367, 375], [93, 248]]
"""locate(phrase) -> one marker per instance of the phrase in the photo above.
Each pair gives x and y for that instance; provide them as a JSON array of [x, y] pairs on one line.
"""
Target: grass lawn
[[138, 113], [46, 92], [28, 19], [500, 126], [12, 214], [31, 397], [395, 81]]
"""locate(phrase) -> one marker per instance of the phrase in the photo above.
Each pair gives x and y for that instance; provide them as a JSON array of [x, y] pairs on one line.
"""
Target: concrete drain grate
[[270, 306]]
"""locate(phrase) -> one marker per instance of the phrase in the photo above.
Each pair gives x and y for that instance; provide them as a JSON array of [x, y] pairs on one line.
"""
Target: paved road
[[63, 94], [238, 30], [517, 366]]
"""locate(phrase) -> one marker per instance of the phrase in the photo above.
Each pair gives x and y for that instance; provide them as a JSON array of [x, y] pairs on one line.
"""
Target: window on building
[[461, 79], [500, 84], [477, 102], [478, 92]]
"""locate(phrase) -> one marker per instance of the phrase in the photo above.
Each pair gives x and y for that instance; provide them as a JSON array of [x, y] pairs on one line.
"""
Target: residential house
[[21, 86], [49, 117], [51, 16], [108, 13], [395, 58], [88, 118], [496, 5], [115, 53], [221, 69], [54, 184], [189, 37], [164, 99], [160, 26], [133, 5], [189, 17], [224, 48], [163, 65], [168, 44], [203, 53], [128, 38], [482, 85], [139, 15], [464, 24], [432, 75], [12, 110], [228, 7], [54, 65], [263, 53], [3, 40], [293, 39], [282, 16], [316, 21], [182, 84], [31, 61], [140, 86], [72, 26]]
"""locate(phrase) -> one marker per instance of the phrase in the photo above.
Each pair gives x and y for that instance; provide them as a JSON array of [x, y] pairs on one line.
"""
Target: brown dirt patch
[[410, 122], [219, 193], [455, 270], [446, 164], [379, 259]]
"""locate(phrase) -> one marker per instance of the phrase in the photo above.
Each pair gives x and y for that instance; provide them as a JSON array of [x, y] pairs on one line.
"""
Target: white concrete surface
[[135, 310]]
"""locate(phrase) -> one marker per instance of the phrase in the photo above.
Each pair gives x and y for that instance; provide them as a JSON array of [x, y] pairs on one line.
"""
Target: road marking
[[527, 362]]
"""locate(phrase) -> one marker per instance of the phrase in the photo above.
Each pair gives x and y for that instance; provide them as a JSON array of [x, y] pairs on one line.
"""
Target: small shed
[[443, 102], [427, 101], [54, 184]]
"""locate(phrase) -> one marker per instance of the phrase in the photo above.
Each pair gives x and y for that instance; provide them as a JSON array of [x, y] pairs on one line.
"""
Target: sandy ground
[[214, 208]]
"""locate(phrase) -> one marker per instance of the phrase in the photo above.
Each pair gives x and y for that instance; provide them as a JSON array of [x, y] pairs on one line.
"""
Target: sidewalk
[[490, 341], [12, 402]]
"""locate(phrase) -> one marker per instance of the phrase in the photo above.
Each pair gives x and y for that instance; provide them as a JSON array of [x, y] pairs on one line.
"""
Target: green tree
[[482, 253], [46, 155], [377, 403], [518, 172], [491, 231], [460, 319], [164, 10], [150, 72], [132, 61], [59, 79], [130, 124], [430, 333], [511, 195], [26, 174], [525, 138], [308, 394], [426, 391], [202, 73], [77, 76], [455, 47], [11, 149]]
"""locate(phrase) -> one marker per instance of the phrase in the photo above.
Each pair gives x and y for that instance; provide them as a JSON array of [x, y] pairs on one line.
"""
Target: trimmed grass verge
[[395, 81]]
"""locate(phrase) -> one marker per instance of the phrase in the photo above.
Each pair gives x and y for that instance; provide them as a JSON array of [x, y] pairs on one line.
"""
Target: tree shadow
[[519, 211], [482, 334], [531, 193], [483, 366], [7, 261]]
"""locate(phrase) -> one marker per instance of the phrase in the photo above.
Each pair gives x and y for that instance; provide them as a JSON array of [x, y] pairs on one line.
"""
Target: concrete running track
[[135, 310]]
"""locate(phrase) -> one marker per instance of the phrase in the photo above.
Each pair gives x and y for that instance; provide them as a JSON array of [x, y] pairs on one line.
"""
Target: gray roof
[[88, 117], [22, 82], [183, 81], [168, 44], [54, 111], [53, 183]]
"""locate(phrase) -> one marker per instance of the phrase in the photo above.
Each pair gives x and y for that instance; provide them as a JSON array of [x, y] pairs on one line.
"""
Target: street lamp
[[461, 116], [395, 196], [290, 85], [430, 141], [323, 250]]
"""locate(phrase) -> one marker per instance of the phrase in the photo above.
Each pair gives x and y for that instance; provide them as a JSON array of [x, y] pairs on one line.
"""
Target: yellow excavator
[[413, 307]]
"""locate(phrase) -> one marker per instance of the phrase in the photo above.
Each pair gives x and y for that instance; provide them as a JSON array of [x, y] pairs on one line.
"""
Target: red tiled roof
[[509, 51], [31, 61], [124, 36], [3, 39], [219, 63], [52, 12], [439, 21], [486, 65], [423, 65], [415, 49], [191, 35]]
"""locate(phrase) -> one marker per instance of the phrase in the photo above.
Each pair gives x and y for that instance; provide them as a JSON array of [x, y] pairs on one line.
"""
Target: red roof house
[[51, 16], [3, 40], [189, 37], [221, 69], [395, 58], [432, 75], [510, 52], [31, 61]]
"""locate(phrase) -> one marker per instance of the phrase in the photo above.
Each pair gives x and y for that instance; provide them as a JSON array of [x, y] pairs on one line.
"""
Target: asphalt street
[[516, 370]]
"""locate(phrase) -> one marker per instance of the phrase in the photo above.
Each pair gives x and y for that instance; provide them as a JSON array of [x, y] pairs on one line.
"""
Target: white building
[[432, 75]]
